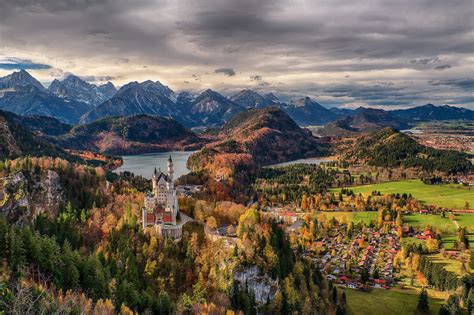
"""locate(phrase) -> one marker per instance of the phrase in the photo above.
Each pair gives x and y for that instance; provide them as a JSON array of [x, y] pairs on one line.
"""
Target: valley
[[153, 201]]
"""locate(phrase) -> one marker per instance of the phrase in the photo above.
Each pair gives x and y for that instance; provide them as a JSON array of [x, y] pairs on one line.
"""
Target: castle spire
[[170, 168]]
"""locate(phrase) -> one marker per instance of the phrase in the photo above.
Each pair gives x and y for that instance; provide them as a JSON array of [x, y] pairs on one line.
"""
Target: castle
[[161, 205]]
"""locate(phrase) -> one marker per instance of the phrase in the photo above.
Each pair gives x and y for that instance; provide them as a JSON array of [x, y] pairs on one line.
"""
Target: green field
[[449, 264], [450, 196], [386, 302], [466, 220], [355, 217], [420, 221]]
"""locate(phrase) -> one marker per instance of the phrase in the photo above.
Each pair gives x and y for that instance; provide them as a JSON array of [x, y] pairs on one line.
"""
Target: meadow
[[355, 217], [452, 196], [393, 301], [452, 265]]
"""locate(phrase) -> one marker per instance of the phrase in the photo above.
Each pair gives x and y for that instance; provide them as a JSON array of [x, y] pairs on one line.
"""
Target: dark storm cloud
[[465, 84], [425, 61], [256, 77], [294, 42], [442, 67], [230, 72], [15, 64], [380, 94]]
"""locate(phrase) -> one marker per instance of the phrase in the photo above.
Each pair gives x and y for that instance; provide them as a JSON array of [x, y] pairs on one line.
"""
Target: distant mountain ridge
[[431, 112], [31, 100], [74, 88], [134, 98], [20, 78], [74, 100], [363, 120]]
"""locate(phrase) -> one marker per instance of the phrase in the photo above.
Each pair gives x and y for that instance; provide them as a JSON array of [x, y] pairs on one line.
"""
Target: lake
[[316, 160], [144, 164]]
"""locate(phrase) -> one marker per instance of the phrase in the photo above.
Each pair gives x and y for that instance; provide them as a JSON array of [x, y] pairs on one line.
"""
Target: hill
[[256, 137], [43, 125], [17, 140], [391, 148], [363, 120], [431, 112], [130, 135]]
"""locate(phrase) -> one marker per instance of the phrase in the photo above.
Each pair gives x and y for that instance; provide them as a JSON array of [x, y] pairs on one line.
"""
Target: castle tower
[[170, 169], [154, 183]]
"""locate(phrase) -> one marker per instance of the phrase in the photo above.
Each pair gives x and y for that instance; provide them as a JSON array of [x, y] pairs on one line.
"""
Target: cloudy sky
[[344, 53]]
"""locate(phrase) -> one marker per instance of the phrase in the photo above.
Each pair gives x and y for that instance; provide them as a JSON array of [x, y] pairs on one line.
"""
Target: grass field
[[355, 217], [449, 264], [387, 302], [466, 220], [420, 221], [450, 196], [444, 225]]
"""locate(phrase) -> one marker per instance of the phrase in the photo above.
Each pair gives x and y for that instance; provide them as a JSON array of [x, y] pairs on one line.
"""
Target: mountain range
[[74, 88], [74, 101]]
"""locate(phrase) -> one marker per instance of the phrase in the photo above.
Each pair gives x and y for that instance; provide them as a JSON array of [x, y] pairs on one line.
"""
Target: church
[[161, 205]]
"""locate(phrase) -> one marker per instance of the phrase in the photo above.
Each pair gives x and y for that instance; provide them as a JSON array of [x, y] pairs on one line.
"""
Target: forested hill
[[17, 140], [259, 137], [131, 135], [391, 148]]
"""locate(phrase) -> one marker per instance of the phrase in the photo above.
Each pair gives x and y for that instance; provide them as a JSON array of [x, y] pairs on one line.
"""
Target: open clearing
[[355, 217], [451, 196], [392, 301]]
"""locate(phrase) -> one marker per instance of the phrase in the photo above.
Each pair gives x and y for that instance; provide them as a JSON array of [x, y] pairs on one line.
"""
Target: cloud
[[12, 63], [442, 67], [96, 78], [256, 77], [425, 61], [230, 72], [308, 46], [465, 84]]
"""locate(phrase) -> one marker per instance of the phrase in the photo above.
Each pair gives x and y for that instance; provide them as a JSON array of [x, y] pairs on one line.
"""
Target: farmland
[[394, 302], [451, 196]]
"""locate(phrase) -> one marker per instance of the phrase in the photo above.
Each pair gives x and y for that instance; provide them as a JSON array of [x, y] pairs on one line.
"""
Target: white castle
[[161, 206]]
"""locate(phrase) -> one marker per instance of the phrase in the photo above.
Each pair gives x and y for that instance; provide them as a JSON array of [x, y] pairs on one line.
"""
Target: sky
[[388, 54]]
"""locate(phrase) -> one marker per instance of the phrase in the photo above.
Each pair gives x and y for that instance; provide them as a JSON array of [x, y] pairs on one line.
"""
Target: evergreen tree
[[423, 307], [452, 305]]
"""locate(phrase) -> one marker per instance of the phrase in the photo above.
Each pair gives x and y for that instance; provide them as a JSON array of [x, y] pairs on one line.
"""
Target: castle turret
[[170, 169], [154, 183]]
